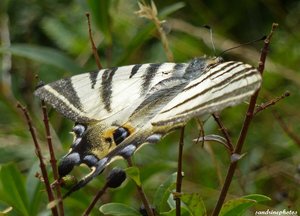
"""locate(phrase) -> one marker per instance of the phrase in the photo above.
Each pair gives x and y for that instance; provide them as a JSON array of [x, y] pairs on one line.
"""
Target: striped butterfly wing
[[174, 101], [222, 85], [108, 96], [119, 109]]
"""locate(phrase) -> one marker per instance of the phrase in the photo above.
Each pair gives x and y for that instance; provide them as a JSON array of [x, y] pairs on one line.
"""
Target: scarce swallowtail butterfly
[[117, 110]]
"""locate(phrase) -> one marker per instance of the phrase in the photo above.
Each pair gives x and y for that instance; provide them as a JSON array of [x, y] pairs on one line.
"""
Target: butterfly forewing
[[110, 95]]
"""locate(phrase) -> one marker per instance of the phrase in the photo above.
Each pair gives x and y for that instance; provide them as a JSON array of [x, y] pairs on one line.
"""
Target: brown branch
[[141, 193], [287, 129], [96, 56], [245, 127], [179, 173], [224, 131], [271, 102], [95, 199], [40, 157], [52, 159]]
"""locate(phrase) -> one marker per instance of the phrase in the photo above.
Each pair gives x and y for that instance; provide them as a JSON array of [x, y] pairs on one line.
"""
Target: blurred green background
[[50, 39]]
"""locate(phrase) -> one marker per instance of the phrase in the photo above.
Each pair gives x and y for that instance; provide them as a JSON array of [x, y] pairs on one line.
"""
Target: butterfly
[[116, 110]]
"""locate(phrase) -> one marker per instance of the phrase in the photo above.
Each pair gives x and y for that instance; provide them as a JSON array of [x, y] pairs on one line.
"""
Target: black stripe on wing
[[93, 78], [106, 90], [179, 66], [135, 69], [149, 75], [65, 87], [63, 97]]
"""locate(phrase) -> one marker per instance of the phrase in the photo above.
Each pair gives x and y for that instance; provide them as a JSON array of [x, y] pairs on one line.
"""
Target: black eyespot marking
[[120, 134]]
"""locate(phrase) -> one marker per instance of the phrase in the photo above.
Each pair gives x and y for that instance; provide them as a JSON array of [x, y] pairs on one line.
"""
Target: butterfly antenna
[[211, 36], [250, 42]]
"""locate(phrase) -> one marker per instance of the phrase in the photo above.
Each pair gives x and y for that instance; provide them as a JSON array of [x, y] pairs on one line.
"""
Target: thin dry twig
[[52, 159], [179, 173], [141, 192], [245, 127], [40, 157], [95, 199], [224, 131], [96, 56], [271, 102], [150, 12]]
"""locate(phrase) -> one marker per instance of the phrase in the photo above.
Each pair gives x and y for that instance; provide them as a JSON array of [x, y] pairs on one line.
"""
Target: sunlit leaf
[[194, 203]]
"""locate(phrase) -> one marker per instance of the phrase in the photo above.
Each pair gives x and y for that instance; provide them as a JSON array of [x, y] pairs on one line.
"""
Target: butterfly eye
[[120, 134], [78, 130]]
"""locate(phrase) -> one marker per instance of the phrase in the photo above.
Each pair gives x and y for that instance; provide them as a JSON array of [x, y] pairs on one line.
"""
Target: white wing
[[223, 85], [110, 94]]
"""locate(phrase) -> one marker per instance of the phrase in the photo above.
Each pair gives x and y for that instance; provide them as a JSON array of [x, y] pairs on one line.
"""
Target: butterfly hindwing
[[223, 85]]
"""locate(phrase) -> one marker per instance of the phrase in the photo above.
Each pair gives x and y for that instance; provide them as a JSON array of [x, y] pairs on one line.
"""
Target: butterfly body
[[117, 110]]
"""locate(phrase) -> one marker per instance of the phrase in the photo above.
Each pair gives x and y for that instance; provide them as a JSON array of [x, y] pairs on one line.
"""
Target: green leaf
[[194, 203], [44, 55], [171, 9], [64, 36], [134, 174], [240, 205], [257, 197], [34, 188], [163, 191], [13, 189], [118, 209]]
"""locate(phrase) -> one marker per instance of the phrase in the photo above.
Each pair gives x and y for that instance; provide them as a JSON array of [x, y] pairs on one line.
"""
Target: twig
[[40, 157], [224, 131], [52, 159], [179, 172], [271, 102], [95, 199], [141, 193], [286, 128], [244, 130], [96, 56]]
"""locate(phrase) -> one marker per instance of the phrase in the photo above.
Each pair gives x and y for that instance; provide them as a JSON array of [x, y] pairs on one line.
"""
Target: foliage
[[50, 38]]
